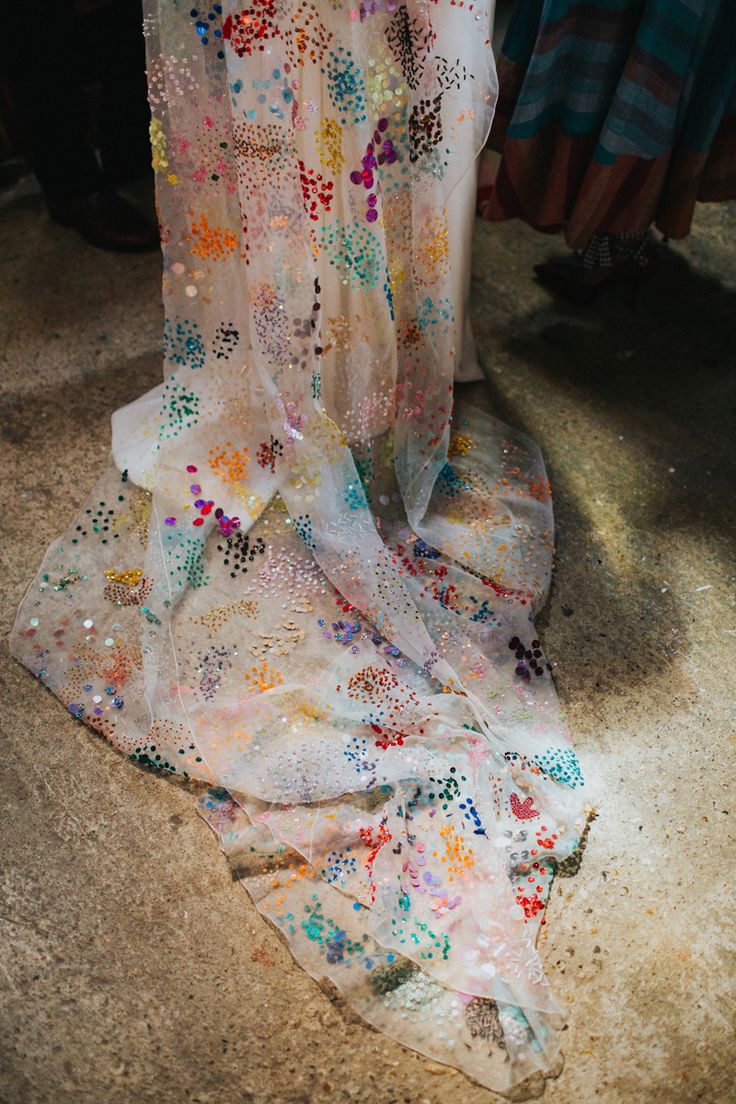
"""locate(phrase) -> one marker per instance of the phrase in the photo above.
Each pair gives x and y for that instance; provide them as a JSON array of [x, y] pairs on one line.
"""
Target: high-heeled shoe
[[567, 279]]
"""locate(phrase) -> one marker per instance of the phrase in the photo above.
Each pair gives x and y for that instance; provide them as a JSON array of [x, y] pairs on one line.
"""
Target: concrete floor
[[134, 970]]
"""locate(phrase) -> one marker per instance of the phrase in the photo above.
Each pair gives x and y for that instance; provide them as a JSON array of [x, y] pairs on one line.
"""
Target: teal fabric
[[639, 75]]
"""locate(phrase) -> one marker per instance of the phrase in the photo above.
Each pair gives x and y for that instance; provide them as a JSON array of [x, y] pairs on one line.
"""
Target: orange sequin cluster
[[262, 677], [230, 467], [215, 243]]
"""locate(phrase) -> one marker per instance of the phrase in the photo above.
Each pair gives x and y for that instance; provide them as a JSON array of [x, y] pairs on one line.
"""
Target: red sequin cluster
[[248, 30]]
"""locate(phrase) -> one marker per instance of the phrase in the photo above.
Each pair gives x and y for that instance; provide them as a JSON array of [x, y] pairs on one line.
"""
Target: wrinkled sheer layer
[[308, 577]]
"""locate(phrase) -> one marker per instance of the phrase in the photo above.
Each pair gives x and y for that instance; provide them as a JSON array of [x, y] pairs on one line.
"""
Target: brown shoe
[[106, 220]]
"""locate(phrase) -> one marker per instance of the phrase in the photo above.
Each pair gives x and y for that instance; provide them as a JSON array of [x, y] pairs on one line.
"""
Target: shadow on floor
[[665, 373], [659, 380]]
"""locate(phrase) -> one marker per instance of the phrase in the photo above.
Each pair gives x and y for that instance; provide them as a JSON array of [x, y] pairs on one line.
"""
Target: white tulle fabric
[[307, 579]]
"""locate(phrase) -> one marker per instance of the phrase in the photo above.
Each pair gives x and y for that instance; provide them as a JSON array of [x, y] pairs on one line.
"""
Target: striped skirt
[[614, 115]]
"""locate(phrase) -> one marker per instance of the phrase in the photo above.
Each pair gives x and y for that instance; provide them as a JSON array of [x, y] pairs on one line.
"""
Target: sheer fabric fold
[[308, 577]]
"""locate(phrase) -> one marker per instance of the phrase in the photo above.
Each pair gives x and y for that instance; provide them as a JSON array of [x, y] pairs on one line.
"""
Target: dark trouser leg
[[44, 75], [114, 34]]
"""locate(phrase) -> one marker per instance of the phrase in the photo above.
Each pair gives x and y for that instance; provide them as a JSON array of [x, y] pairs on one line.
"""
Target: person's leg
[[46, 78], [115, 37], [43, 76]]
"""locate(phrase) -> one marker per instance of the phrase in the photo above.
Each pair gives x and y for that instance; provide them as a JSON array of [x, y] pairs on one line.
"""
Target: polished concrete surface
[[133, 969]]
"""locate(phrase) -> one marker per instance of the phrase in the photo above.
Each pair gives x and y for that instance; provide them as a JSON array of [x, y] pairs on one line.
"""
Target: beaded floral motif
[[307, 39], [180, 409], [317, 192], [262, 677], [410, 39], [207, 25], [356, 253], [183, 343], [433, 250], [250, 29], [215, 618], [265, 150], [214, 243], [328, 139], [346, 85], [158, 146]]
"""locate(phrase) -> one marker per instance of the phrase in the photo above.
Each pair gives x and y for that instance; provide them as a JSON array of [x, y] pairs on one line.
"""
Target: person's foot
[[106, 220], [487, 172], [579, 284]]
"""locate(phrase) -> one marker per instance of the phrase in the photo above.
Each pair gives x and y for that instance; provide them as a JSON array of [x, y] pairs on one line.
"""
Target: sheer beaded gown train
[[307, 579]]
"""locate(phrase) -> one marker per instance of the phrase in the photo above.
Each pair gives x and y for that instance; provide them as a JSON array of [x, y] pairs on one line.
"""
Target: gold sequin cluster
[[129, 578]]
